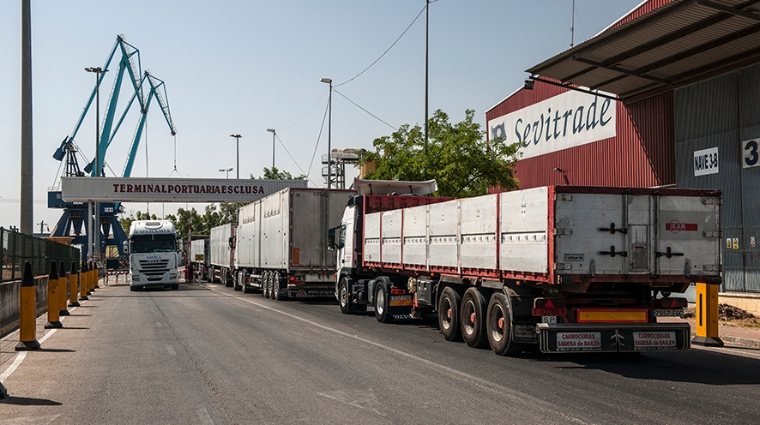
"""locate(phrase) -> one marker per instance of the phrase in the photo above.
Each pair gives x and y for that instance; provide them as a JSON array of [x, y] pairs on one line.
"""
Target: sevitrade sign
[[118, 189], [564, 121]]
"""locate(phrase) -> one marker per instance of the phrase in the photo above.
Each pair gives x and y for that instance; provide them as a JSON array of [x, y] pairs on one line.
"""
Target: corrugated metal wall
[[721, 113], [641, 155], [641, 10]]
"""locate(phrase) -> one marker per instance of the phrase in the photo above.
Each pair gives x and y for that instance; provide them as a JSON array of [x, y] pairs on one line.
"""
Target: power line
[[324, 117], [291, 156], [386, 51], [368, 112], [307, 113]]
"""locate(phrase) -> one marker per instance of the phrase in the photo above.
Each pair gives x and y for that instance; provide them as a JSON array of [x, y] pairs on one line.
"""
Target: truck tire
[[265, 284], [345, 308], [175, 286], [236, 285], [499, 326], [247, 289], [473, 318], [226, 278], [382, 313], [276, 287], [448, 315]]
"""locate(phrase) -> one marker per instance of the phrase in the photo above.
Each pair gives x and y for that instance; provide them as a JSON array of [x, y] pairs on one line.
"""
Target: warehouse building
[[667, 96]]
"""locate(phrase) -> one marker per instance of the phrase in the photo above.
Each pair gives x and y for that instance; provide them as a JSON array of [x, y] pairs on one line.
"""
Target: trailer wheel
[[473, 318], [226, 277], [343, 296], [448, 315], [236, 283], [246, 279], [276, 287], [499, 326], [265, 284], [381, 305]]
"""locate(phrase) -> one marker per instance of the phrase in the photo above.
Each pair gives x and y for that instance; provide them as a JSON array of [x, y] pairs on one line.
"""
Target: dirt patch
[[729, 315]]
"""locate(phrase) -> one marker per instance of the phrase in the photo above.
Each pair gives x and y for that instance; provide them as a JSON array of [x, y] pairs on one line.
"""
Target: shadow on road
[[26, 401]]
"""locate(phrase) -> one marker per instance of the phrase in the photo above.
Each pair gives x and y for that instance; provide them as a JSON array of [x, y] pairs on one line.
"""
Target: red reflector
[[397, 291], [550, 303], [550, 312]]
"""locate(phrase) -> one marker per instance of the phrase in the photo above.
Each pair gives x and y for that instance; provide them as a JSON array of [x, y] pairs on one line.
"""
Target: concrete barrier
[[10, 296]]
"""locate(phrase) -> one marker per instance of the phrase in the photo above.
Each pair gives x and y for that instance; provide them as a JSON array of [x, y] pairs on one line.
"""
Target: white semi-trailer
[[566, 269], [199, 256], [279, 243], [221, 253], [153, 255]]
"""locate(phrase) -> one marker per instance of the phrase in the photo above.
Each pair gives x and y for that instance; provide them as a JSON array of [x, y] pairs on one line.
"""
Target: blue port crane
[[145, 87]]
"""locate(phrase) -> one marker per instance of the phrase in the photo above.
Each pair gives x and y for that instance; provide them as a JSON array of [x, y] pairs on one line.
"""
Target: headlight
[[172, 275]]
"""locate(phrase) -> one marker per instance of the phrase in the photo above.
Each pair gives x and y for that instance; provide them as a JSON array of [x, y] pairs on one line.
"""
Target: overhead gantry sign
[[117, 189]]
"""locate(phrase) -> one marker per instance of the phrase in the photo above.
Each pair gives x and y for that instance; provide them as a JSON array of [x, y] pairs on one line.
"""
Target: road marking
[[22, 354], [364, 400], [171, 350], [203, 416], [30, 420], [457, 374]]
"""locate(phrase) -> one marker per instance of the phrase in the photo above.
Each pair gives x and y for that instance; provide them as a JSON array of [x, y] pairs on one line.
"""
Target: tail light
[[397, 291]]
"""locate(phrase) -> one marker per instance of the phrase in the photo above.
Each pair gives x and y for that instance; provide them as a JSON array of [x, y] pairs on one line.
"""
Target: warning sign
[[752, 241], [654, 340], [579, 341], [736, 243]]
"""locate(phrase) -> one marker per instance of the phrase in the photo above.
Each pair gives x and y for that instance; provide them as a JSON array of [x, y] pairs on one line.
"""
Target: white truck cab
[[153, 255]]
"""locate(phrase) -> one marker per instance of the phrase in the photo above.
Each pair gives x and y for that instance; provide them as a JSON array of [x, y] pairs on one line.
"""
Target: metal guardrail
[[19, 248]]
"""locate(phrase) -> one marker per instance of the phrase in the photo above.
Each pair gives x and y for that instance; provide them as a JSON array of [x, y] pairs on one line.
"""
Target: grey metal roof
[[677, 43]]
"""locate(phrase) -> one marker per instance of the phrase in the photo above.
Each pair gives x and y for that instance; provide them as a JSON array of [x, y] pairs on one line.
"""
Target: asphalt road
[[208, 355]]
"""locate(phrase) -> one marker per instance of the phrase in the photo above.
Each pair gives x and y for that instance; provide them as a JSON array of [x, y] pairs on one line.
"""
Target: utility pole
[[27, 157]]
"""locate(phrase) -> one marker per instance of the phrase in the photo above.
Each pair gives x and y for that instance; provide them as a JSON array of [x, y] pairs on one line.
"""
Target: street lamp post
[[237, 138], [95, 228], [226, 170], [329, 133], [274, 135]]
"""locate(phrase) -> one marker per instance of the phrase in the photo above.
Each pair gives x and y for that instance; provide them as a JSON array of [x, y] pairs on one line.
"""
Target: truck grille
[[154, 270]]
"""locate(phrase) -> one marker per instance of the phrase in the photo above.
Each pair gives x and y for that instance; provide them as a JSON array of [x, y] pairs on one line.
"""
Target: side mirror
[[125, 247]]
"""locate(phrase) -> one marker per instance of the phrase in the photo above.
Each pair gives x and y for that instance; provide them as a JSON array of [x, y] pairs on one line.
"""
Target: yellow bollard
[[52, 299], [73, 285], [28, 312], [83, 283], [63, 287], [95, 283], [707, 316]]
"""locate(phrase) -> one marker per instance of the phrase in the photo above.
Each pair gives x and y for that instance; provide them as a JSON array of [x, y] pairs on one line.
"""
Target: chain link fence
[[19, 248]]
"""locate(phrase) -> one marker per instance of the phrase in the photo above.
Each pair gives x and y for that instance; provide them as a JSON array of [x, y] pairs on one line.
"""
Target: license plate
[[669, 312]]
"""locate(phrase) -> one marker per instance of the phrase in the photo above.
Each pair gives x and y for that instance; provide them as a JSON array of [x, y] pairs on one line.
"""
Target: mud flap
[[619, 338]]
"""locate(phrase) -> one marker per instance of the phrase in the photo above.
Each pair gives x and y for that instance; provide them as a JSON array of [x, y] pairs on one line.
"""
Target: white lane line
[[22, 354], [170, 349], [203, 416], [516, 395]]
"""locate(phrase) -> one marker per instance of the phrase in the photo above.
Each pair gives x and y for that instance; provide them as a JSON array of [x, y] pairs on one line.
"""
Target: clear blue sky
[[244, 66]]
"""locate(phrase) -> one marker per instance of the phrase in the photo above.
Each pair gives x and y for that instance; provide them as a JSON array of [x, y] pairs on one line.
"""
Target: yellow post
[[28, 312], [83, 284], [707, 316], [73, 285], [63, 287], [52, 299], [95, 284]]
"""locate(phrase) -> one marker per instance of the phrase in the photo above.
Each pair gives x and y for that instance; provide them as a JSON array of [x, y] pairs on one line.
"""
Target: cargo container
[[221, 253]]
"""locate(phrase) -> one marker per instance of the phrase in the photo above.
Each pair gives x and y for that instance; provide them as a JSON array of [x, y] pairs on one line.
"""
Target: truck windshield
[[152, 243]]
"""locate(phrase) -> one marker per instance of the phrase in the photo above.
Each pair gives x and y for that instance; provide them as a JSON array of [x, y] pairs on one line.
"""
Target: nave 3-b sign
[[751, 153], [706, 162]]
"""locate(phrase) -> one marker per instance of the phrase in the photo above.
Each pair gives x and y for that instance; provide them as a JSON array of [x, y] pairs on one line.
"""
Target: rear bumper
[[620, 338]]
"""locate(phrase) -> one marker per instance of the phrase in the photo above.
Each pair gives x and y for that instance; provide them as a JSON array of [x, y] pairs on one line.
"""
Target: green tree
[[458, 157], [275, 174]]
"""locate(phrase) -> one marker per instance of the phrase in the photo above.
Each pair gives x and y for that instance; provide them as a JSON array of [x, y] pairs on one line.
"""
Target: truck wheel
[[499, 326], [226, 278], [448, 315], [236, 284], [473, 318], [343, 296], [246, 288], [276, 287], [265, 285], [381, 305], [175, 286]]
